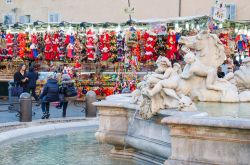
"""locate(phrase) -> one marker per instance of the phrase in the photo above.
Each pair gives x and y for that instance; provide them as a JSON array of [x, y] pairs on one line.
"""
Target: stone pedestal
[[113, 126]]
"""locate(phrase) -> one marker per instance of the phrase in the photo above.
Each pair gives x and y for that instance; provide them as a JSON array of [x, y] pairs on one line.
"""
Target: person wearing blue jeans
[[50, 94]]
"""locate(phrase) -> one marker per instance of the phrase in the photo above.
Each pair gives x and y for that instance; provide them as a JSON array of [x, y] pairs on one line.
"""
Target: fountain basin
[[216, 131], [55, 141], [121, 126]]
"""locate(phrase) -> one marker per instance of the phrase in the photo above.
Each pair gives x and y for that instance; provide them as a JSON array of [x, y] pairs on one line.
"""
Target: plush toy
[[70, 48], [55, 47], [9, 44], [2, 40], [27, 47], [132, 85], [10, 51], [67, 40], [224, 38], [171, 45], [77, 62], [21, 45], [90, 45], [61, 45], [150, 41], [34, 38], [34, 51], [9, 38], [131, 38], [72, 39], [120, 46], [104, 45], [77, 47], [241, 41], [48, 49]]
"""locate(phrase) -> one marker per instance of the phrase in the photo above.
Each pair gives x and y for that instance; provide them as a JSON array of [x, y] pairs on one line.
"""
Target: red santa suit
[[105, 53], [70, 48], [90, 45], [9, 38], [67, 39], [224, 38], [150, 40], [34, 39], [48, 49], [171, 46], [55, 47], [105, 46], [10, 51]]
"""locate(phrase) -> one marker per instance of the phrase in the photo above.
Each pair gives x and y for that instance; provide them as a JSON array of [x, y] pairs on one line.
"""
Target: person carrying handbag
[[68, 93], [20, 81]]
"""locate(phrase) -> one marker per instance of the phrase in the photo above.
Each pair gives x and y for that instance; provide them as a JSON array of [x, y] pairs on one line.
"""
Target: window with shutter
[[212, 11], [24, 19], [8, 1], [231, 11], [53, 18], [8, 19]]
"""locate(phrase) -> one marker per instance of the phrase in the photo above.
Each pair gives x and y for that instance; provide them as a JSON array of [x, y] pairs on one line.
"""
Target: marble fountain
[[183, 116]]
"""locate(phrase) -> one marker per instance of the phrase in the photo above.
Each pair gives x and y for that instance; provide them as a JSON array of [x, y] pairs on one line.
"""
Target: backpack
[[70, 91]]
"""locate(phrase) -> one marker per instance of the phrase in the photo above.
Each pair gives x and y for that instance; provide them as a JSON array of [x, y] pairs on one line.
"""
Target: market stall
[[109, 57]]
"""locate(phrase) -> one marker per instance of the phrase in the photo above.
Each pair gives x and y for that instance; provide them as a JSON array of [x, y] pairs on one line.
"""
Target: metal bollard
[[25, 107], [90, 108]]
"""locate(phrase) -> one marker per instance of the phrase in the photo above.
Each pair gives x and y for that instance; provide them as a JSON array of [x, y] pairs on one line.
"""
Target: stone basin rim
[[238, 123], [13, 130]]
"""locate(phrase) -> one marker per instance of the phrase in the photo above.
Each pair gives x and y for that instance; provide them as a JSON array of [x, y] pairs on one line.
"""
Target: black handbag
[[16, 91], [61, 97]]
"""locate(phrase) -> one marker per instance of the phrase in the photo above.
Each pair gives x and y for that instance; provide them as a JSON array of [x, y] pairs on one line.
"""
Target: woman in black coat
[[20, 78], [33, 77]]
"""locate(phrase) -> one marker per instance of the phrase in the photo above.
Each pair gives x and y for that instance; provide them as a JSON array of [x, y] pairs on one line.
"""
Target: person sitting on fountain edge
[[50, 94]]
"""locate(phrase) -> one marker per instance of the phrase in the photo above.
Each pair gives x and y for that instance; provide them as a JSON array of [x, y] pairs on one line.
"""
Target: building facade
[[28, 11]]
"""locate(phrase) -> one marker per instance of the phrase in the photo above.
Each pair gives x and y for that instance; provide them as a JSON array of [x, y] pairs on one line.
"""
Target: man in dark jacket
[[33, 77], [50, 94]]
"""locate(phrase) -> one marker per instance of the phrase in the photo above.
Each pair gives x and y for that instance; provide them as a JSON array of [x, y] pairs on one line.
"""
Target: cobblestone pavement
[[73, 110]]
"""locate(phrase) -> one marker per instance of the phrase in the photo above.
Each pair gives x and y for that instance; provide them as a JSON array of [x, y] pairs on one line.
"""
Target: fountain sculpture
[[169, 124]]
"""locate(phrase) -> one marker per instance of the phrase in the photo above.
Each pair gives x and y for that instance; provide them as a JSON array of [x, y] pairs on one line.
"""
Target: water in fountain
[[130, 126], [68, 149]]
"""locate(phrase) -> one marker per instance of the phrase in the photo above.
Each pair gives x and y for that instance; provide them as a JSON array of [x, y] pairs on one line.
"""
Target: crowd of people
[[58, 88], [229, 65]]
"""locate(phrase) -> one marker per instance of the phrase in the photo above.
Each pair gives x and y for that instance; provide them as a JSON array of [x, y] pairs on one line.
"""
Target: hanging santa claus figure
[[55, 48], [150, 40], [48, 49], [9, 44], [70, 48], [171, 45], [105, 46], [90, 45], [22, 44], [33, 46], [34, 51], [224, 38]]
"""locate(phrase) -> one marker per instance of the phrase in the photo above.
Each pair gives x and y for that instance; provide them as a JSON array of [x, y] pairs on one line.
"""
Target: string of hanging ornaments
[[130, 43]]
